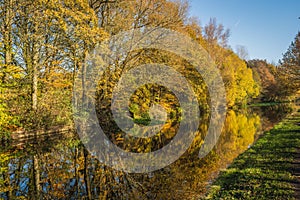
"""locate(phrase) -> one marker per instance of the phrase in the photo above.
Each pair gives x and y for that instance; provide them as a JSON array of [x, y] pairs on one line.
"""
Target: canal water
[[58, 166]]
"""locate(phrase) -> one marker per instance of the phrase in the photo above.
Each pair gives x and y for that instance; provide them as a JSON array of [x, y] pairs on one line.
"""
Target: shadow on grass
[[268, 170]]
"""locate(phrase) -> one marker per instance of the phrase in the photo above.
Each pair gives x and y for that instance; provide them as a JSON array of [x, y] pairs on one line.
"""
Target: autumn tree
[[237, 77], [9, 72], [43, 45], [119, 16], [265, 76], [216, 33], [216, 40], [242, 52]]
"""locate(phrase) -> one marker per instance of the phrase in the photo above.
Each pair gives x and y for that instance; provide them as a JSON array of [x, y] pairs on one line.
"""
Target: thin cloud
[[237, 23]]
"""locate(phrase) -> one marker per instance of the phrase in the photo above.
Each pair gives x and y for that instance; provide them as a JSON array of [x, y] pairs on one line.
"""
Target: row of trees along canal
[[44, 44]]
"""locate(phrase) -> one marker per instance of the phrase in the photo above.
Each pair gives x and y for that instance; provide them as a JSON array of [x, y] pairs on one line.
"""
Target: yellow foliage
[[238, 78]]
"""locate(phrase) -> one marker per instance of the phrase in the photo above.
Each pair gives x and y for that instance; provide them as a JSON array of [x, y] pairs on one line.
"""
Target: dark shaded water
[[59, 167]]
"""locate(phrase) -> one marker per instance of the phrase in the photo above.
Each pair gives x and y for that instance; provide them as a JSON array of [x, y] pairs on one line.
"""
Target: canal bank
[[268, 170]]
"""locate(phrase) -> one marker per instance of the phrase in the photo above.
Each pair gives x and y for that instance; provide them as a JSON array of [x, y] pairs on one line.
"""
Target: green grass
[[261, 104], [265, 171]]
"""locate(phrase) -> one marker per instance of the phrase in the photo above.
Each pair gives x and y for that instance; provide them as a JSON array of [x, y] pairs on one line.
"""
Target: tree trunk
[[35, 63], [86, 174], [34, 87], [7, 40], [7, 186], [36, 174]]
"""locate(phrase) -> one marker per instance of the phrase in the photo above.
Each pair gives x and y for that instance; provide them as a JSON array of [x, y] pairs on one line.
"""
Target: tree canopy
[[43, 45]]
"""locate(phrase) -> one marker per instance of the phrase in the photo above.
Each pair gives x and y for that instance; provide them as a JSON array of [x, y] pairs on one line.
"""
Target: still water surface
[[59, 167]]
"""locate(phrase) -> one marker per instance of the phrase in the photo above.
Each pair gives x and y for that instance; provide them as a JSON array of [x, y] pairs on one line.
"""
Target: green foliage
[[5, 120]]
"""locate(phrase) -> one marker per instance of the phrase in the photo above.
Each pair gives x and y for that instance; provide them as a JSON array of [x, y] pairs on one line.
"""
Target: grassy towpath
[[270, 169]]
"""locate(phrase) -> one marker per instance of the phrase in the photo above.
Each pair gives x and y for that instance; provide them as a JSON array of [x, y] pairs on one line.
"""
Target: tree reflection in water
[[59, 167]]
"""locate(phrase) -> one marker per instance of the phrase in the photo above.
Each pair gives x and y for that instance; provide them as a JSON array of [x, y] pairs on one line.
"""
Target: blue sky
[[265, 27]]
